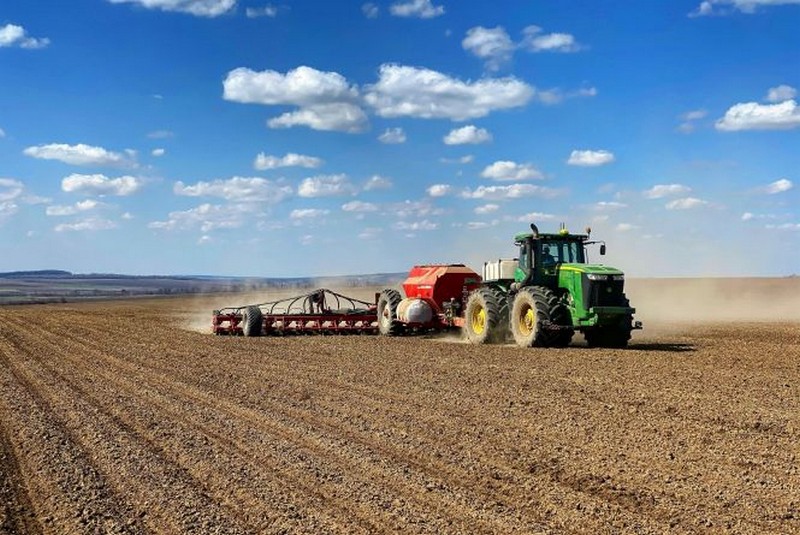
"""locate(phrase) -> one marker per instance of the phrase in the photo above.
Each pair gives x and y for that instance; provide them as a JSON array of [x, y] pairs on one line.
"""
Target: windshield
[[563, 252]]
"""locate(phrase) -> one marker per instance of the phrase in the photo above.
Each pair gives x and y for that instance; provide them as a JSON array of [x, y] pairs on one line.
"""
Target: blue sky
[[240, 137]]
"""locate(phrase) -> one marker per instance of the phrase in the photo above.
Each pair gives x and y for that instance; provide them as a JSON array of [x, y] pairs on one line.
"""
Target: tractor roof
[[522, 236]]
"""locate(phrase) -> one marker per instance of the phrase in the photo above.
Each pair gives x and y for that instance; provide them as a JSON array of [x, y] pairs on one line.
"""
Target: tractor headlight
[[619, 277], [595, 277]]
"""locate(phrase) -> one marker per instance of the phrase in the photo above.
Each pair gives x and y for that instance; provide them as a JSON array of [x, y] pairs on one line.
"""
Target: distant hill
[[52, 285], [41, 273]]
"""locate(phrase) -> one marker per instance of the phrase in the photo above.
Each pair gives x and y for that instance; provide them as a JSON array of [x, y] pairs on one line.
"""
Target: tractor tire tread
[[391, 298], [252, 321]]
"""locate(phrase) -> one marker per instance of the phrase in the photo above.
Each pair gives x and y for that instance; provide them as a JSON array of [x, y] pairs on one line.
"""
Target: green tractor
[[548, 293]]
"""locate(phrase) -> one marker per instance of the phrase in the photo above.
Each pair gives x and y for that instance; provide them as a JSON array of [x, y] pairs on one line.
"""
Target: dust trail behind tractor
[[322, 311]]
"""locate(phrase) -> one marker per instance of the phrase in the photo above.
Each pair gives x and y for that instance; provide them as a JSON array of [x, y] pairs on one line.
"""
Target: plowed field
[[116, 418]]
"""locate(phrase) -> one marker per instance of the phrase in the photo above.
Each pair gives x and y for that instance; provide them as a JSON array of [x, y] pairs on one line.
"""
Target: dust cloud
[[666, 301], [659, 303]]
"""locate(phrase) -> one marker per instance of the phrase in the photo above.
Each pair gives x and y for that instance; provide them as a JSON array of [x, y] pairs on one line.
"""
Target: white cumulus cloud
[[536, 216], [80, 206], [8, 209], [158, 152], [326, 101], [242, 189], [264, 161], [423, 9], [496, 48], [724, 7], [486, 209], [308, 213], [78, 154], [393, 136], [302, 86], [785, 226], [590, 158], [779, 186], [551, 97], [690, 119], [469, 134], [508, 170], [511, 191], [403, 91], [754, 116], [414, 226], [12, 35], [686, 203], [10, 189], [694, 115], [263, 11], [439, 190], [207, 217], [535, 40], [781, 93], [334, 116], [665, 190], [609, 205], [200, 8], [326, 186], [469, 158], [359, 207], [101, 185], [493, 45], [407, 209], [84, 225]]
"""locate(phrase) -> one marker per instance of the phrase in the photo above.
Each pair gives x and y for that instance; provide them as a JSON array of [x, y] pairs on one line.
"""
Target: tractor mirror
[[602, 249]]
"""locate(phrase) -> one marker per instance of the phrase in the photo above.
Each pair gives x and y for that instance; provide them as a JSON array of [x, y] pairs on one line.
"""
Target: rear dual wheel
[[486, 317], [540, 319]]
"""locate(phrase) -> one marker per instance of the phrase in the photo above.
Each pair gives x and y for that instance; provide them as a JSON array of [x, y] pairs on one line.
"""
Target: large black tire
[[612, 336], [252, 321], [486, 317], [529, 312], [388, 324], [561, 316], [532, 309]]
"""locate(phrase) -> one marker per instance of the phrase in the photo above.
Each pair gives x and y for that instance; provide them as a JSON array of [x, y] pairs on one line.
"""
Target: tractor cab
[[541, 254]]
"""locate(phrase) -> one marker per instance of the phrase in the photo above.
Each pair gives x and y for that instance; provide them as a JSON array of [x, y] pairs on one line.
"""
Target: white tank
[[501, 269], [414, 311]]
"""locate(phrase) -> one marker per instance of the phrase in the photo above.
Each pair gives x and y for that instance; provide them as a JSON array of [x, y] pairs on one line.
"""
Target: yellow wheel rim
[[478, 320], [527, 320]]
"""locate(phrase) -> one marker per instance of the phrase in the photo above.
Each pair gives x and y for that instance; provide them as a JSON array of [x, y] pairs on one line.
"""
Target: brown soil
[[115, 418]]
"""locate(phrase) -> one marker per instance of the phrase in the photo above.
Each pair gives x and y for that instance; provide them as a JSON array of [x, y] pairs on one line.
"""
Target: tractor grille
[[607, 293]]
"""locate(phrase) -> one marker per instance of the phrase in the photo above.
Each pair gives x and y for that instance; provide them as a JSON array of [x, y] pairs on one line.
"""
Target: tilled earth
[[116, 419]]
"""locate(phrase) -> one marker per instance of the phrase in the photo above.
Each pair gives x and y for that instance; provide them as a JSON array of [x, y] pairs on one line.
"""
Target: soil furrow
[[115, 412], [118, 460], [287, 433], [16, 510]]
